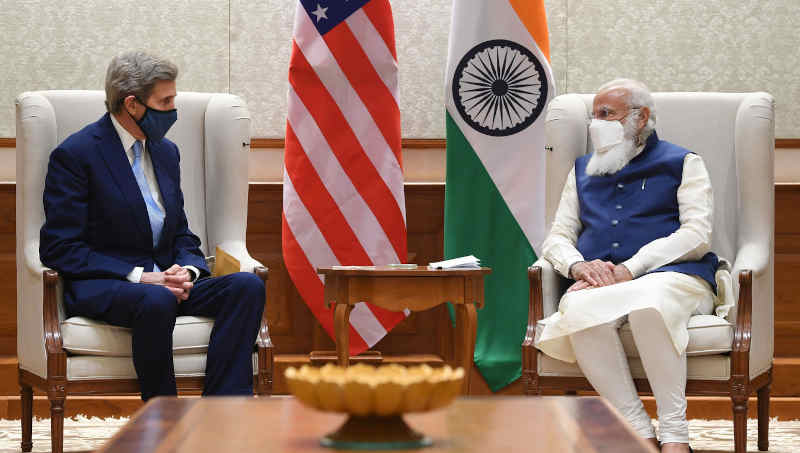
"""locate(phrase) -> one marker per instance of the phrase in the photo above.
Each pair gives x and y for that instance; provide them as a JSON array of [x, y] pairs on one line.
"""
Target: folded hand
[[176, 279], [595, 274]]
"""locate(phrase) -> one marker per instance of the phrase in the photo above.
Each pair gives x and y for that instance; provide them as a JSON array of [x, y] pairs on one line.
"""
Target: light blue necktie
[[155, 213]]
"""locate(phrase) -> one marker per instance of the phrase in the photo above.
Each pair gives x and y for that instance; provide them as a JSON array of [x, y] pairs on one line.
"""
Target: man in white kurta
[[667, 276]]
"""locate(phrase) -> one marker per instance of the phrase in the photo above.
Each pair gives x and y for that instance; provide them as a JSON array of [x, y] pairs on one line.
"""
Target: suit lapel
[[109, 147]]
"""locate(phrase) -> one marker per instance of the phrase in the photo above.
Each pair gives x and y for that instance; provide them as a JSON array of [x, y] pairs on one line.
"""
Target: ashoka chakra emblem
[[499, 87]]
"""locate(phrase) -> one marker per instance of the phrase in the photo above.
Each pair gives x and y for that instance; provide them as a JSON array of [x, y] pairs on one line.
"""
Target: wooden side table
[[397, 289]]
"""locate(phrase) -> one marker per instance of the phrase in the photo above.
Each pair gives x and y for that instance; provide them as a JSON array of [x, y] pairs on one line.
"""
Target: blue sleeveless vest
[[624, 211]]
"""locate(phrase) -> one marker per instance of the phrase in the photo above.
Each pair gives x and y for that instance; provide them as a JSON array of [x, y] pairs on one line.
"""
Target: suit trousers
[[235, 301]]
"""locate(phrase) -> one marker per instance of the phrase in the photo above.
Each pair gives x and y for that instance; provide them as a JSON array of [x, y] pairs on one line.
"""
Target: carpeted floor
[[86, 434], [80, 434]]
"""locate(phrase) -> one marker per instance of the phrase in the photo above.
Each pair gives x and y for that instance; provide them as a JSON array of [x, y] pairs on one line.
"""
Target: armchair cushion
[[708, 334], [86, 336], [95, 367], [709, 367]]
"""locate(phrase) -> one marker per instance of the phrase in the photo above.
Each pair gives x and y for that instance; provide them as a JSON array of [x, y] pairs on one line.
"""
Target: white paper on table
[[464, 262]]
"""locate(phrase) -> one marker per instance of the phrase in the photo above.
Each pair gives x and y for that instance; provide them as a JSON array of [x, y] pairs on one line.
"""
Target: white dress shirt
[[689, 242], [128, 140]]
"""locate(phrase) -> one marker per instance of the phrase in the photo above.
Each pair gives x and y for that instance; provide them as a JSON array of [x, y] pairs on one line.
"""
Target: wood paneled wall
[[8, 271], [787, 268], [294, 330]]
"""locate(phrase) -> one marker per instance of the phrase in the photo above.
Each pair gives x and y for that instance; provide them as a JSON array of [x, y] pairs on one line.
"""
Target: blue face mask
[[156, 123]]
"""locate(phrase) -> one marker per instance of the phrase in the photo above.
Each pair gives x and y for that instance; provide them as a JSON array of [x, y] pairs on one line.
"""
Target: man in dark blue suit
[[116, 230]]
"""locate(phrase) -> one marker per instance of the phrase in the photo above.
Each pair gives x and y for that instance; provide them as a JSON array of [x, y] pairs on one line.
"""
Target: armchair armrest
[[544, 293], [740, 350], [551, 286], [264, 341], [752, 258], [535, 309], [264, 345], [32, 261], [54, 347]]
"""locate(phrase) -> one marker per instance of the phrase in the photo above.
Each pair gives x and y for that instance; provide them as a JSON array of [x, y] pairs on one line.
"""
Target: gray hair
[[638, 96], [135, 73]]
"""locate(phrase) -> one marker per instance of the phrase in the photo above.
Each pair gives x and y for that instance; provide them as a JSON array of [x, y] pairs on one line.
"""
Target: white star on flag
[[320, 12]]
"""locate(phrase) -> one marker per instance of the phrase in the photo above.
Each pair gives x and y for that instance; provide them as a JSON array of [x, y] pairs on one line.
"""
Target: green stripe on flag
[[477, 222]]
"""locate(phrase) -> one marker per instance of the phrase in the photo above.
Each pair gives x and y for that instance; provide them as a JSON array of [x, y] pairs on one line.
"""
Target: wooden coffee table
[[282, 424], [415, 289]]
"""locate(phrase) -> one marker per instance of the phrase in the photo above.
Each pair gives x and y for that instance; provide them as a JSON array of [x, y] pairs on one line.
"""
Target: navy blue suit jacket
[[96, 226]]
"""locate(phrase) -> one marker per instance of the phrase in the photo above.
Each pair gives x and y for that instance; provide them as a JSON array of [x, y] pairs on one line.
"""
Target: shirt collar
[[124, 136]]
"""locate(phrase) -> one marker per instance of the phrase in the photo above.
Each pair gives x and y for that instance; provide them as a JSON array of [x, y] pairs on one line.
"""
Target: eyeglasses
[[607, 114]]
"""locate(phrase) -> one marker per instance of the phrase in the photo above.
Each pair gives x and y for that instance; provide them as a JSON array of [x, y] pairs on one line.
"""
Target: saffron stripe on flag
[[350, 154], [357, 214]]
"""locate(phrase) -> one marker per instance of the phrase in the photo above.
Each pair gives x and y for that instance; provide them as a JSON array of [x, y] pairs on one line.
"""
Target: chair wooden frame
[[57, 386], [738, 387]]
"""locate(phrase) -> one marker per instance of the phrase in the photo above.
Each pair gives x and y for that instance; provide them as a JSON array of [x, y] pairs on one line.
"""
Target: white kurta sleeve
[[692, 239], [559, 246]]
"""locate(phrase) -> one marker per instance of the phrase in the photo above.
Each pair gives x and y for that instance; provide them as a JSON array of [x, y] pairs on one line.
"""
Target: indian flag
[[498, 85]]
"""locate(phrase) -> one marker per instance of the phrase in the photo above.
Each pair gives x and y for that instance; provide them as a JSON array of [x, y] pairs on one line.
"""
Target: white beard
[[613, 160], [618, 156]]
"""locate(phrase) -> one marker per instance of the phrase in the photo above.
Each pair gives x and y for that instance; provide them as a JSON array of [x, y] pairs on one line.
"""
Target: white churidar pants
[[585, 330], [603, 361]]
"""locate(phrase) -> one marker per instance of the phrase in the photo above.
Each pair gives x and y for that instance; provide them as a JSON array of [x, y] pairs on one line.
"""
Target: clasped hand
[[176, 279], [597, 273]]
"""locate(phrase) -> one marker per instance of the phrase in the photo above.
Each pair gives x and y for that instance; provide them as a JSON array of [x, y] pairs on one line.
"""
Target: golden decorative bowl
[[375, 398]]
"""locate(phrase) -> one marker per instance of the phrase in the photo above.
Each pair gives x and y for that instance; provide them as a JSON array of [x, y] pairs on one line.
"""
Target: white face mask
[[606, 134]]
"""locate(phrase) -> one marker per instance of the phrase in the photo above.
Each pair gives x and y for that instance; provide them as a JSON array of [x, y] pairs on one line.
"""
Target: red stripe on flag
[[304, 276], [380, 14], [387, 318], [363, 77], [348, 150], [309, 286], [322, 207]]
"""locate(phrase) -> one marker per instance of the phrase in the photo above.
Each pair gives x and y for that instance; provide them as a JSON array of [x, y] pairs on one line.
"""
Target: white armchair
[[732, 356], [79, 356]]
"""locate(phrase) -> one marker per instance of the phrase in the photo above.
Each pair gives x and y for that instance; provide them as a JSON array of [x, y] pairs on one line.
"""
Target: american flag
[[343, 201]]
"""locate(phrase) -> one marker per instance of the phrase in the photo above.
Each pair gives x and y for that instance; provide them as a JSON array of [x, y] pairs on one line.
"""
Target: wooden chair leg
[[763, 418], [57, 422], [739, 424], [26, 400]]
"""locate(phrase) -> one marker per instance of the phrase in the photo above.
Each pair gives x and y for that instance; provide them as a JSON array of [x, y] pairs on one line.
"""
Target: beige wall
[[243, 47]]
